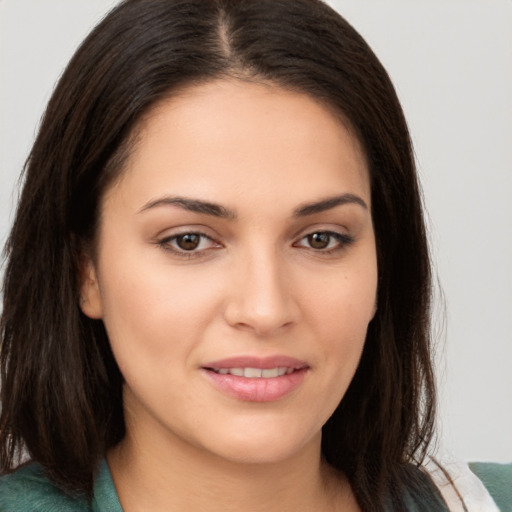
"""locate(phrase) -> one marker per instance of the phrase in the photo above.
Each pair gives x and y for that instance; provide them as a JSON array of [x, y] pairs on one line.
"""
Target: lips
[[256, 379], [256, 373]]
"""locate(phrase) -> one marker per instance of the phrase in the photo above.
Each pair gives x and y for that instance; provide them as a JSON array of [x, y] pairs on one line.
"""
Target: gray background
[[451, 61]]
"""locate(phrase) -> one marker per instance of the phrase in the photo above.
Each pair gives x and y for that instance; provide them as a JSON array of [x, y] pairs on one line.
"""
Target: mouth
[[253, 379], [256, 373]]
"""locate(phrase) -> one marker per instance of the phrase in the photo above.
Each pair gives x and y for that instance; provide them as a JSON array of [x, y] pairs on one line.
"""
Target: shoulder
[[29, 490], [461, 489], [497, 479]]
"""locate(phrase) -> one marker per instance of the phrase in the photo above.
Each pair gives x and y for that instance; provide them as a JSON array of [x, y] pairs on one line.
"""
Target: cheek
[[341, 311], [344, 306], [154, 314], [339, 317]]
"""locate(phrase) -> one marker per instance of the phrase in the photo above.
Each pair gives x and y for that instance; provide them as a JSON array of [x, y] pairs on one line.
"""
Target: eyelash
[[343, 241], [165, 244]]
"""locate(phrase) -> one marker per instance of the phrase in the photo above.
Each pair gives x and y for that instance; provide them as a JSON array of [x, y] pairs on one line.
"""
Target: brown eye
[[319, 240], [188, 242], [325, 242]]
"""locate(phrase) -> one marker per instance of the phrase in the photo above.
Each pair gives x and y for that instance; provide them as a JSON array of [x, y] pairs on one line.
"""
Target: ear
[[90, 296]]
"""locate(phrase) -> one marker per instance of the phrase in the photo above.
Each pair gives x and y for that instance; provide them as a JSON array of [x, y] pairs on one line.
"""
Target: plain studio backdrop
[[451, 62]]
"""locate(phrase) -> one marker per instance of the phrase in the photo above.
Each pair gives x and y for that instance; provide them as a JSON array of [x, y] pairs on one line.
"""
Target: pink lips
[[256, 389]]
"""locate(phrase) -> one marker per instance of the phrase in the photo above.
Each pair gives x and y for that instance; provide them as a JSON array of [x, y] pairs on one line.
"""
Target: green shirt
[[497, 478], [29, 490]]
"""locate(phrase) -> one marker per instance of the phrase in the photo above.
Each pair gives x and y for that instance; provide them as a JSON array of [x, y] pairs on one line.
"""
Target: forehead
[[225, 137]]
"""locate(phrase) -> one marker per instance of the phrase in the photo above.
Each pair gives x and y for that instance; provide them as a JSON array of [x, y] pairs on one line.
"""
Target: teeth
[[256, 373], [252, 372]]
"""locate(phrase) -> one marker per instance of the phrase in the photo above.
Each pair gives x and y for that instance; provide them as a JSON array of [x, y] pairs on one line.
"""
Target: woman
[[217, 287]]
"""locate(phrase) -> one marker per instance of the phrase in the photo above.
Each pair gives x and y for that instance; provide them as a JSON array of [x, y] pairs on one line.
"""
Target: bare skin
[[147, 481]]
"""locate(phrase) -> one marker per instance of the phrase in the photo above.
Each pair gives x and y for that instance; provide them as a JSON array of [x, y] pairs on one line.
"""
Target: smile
[[256, 379], [258, 373]]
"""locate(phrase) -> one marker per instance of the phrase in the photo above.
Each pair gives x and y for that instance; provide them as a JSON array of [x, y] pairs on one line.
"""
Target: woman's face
[[236, 271]]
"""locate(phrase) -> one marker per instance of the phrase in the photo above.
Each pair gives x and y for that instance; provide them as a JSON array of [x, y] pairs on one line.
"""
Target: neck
[[177, 476]]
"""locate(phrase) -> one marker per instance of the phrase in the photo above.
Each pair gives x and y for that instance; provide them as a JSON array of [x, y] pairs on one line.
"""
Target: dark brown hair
[[61, 388]]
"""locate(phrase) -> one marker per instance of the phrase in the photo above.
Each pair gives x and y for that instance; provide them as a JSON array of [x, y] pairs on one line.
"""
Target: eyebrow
[[192, 205], [327, 204], [216, 210]]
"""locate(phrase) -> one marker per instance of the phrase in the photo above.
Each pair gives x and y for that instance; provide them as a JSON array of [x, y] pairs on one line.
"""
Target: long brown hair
[[61, 387]]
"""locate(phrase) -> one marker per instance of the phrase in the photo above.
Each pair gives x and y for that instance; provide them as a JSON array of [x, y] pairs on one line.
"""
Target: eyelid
[[343, 240], [164, 242]]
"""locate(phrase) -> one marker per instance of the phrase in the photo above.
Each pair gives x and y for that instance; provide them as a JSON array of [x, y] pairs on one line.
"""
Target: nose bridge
[[262, 298]]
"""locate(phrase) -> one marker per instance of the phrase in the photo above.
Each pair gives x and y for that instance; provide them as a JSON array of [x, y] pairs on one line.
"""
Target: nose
[[262, 298]]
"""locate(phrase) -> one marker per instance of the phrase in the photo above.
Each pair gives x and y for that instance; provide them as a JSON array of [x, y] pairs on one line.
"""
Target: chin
[[265, 446]]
